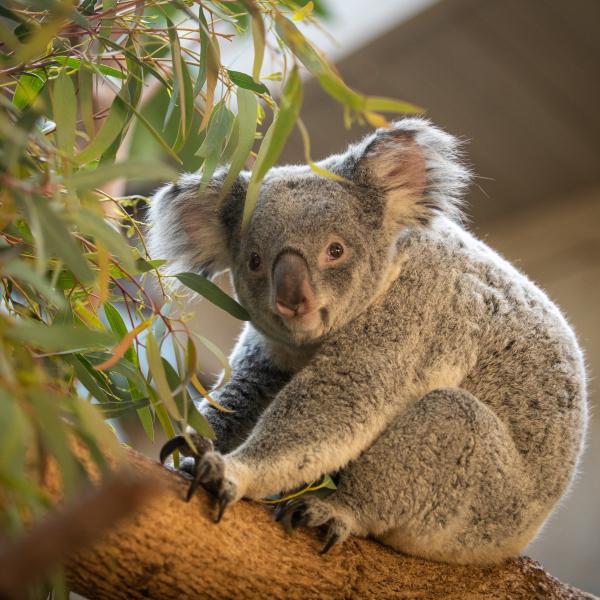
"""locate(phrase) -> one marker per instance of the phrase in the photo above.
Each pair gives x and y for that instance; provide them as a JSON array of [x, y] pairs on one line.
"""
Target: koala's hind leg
[[443, 482]]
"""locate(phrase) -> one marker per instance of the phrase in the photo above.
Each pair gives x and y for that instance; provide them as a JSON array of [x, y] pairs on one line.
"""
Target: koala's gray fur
[[446, 389]]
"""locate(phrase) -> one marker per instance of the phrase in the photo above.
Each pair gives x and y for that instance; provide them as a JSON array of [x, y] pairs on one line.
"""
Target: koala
[[386, 345]]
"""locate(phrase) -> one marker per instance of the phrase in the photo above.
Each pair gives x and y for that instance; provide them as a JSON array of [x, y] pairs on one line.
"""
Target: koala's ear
[[418, 168], [193, 230]]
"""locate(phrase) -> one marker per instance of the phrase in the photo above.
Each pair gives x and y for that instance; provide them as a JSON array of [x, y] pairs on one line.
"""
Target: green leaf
[[327, 482], [204, 43], [75, 63], [246, 119], [194, 418], [218, 353], [15, 435], [147, 420], [160, 379], [161, 413], [111, 410], [37, 43], [86, 99], [245, 81], [214, 294], [154, 133], [106, 24], [218, 129], [94, 225], [304, 12], [29, 86], [87, 376], [143, 266], [199, 423], [131, 169], [110, 129], [329, 80], [183, 89], [258, 38], [129, 371], [22, 271], [132, 56], [376, 103], [274, 141], [339, 91], [116, 323], [59, 240], [58, 338], [130, 94], [300, 46]]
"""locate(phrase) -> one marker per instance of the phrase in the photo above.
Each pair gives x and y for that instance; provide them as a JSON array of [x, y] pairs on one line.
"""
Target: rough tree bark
[[172, 549]]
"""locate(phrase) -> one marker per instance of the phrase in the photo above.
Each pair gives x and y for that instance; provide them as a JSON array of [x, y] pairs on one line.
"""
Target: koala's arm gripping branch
[[171, 550], [245, 396], [322, 419]]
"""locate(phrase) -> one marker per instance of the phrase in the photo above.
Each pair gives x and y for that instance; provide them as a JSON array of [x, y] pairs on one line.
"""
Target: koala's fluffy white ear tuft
[[186, 227], [419, 168]]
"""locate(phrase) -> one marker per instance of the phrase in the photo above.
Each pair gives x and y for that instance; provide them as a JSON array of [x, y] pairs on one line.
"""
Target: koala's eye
[[254, 261], [335, 250]]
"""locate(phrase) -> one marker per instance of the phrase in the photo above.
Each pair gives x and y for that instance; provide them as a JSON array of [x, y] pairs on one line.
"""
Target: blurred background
[[519, 82]]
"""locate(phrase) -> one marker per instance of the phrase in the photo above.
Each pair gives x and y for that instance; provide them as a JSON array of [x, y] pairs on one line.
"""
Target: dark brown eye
[[254, 262], [335, 250]]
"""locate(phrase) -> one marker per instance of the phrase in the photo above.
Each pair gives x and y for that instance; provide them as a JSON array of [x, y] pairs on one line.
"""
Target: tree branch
[[171, 550]]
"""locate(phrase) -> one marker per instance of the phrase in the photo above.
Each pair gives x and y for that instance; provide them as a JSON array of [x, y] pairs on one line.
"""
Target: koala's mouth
[[308, 325], [306, 321]]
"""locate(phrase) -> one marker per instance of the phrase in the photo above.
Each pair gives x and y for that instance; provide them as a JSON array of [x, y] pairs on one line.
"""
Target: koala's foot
[[206, 467], [312, 511]]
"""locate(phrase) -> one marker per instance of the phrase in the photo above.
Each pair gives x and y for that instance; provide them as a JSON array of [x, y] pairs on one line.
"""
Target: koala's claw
[[291, 514], [333, 538], [175, 443], [179, 443], [206, 468], [313, 512]]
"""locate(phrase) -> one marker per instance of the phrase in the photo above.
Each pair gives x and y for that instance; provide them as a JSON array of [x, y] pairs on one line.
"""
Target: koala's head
[[317, 252]]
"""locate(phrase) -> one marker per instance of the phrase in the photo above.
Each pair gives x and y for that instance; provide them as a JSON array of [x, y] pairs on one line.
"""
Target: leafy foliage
[[82, 334]]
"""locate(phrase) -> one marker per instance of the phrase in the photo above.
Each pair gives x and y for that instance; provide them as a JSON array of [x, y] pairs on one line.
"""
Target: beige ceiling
[[518, 79]]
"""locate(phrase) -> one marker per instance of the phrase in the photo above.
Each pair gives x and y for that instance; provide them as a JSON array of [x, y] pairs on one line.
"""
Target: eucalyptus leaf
[[57, 338], [218, 129], [29, 85], [22, 271], [143, 266], [274, 141], [75, 63], [247, 82], [214, 294], [15, 434], [59, 240], [111, 410], [131, 169], [64, 106], [160, 379], [111, 127], [94, 225], [87, 376], [246, 119]]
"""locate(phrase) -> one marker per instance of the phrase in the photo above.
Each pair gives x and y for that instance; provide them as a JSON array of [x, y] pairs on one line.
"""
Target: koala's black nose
[[294, 295]]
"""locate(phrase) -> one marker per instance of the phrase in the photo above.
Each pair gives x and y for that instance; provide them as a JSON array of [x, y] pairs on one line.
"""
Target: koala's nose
[[294, 295]]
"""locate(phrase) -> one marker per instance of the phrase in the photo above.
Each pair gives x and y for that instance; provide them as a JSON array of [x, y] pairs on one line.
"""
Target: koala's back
[[526, 363]]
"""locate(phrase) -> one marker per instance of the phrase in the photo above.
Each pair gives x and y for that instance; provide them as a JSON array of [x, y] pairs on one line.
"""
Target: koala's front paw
[[315, 512], [211, 474], [206, 467]]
